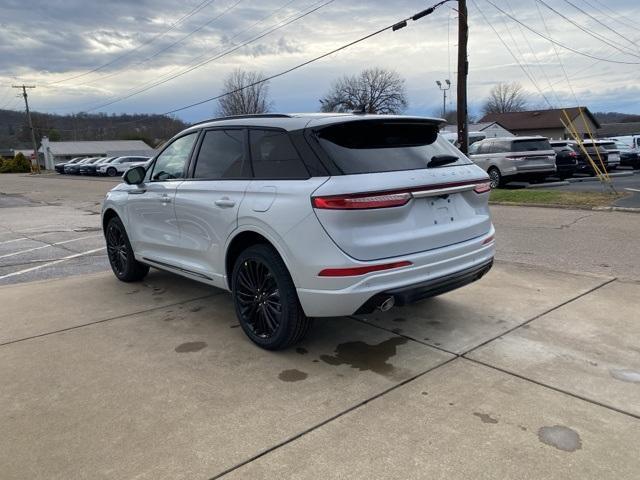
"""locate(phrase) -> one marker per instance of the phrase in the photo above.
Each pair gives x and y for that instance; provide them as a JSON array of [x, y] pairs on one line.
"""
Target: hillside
[[153, 129], [616, 117]]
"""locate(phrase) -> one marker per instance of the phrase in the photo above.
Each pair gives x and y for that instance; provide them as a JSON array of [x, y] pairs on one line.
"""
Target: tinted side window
[[170, 163], [501, 146], [486, 147], [273, 156], [221, 155]]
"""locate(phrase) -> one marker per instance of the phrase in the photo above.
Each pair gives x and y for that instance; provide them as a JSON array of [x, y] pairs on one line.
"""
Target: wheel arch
[[243, 240], [108, 214]]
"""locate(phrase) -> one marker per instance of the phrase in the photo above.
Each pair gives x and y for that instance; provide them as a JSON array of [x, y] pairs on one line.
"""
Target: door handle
[[165, 198], [225, 202]]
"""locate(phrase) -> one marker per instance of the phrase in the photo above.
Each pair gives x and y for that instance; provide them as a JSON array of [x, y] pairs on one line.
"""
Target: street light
[[444, 94]]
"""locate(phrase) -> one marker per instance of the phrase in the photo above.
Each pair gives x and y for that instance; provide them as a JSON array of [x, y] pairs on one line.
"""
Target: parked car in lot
[[613, 157], [510, 159], [632, 140], [566, 159], [74, 169], [90, 168], [629, 156], [120, 165], [597, 153], [304, 216], [59, 167]]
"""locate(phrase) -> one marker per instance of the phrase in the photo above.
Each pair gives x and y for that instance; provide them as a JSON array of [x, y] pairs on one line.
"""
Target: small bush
[[18, 164]]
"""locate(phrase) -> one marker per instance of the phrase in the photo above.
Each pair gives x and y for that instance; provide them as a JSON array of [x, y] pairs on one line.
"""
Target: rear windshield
[[372, 146], [609, 145], [530, 145]]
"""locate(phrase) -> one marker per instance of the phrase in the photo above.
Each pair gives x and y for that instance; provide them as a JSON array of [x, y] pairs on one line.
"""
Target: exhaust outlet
[[387, 303]]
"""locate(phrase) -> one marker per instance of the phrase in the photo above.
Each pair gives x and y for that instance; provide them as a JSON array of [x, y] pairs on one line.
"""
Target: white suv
[[120, 165], [304, 216]]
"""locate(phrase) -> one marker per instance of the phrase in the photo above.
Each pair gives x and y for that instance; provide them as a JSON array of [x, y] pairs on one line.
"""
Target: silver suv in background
[[301, 216], [510, 159], [120, 165]]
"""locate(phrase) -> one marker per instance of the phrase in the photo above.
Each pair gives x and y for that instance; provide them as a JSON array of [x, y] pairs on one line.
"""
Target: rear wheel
[[495, 178], [112, 172], [265, 299], [123, 263]]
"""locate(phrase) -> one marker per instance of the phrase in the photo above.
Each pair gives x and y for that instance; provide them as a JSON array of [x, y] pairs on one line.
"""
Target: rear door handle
[[165, 198], [225, 202]]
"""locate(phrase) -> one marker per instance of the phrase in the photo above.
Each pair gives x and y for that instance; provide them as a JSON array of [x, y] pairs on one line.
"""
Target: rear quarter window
[[530, 145], [374, 146]]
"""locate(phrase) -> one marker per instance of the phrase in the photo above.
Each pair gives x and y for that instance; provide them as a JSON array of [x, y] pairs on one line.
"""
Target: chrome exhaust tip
[[387, 303]]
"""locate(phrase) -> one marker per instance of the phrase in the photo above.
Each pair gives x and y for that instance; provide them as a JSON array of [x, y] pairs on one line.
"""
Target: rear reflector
[[482, 187], [355, 271], [356, 202], [488, 239]]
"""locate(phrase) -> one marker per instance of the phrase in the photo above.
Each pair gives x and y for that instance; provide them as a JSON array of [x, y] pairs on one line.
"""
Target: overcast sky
[[143, 41]]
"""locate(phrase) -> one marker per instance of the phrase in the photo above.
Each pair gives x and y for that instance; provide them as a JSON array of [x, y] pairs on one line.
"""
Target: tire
[[123, 263], [112, 172], [495, 178], [265, 299]]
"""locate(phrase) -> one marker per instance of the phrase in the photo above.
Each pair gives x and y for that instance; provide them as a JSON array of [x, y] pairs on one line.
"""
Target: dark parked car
[[566, 160], [74, 169], [584, 166], [59, 167], [613, 158], [629, 156], [84, 169], [91, 168]]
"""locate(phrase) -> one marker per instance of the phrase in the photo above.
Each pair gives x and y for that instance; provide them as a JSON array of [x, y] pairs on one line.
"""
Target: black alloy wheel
[[266, 300], [120, 254], [259, 298], [112, 172]]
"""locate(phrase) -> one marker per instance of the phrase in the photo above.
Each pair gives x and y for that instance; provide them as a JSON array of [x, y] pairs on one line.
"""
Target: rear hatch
[[402, 189], [532, 154]]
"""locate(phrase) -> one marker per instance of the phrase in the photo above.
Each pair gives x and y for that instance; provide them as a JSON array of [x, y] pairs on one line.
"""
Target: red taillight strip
[[355, 271], [488, 239], [386, 198]]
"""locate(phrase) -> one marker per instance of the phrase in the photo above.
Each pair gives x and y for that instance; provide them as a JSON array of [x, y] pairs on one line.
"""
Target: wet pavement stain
[[625, 375], [190, 347], [396, 330], [302, 350], [434, 322], [485, 417], [363, 356], [293, 375], [196, 309], [169, 319], [425, 393], [235, 326], [399, 319], [560, 437], [131, 292]]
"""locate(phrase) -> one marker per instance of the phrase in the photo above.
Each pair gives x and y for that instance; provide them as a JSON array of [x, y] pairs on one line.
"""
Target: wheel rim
[[112, 172], [258, 297], [117, 249], [494, 177]]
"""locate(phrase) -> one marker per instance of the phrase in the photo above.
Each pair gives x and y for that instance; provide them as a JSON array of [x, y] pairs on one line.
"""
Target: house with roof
[[547, 123], [58, 152]]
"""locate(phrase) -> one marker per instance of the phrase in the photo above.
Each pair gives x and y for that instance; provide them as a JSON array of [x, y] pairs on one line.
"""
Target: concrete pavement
[[156, 380]]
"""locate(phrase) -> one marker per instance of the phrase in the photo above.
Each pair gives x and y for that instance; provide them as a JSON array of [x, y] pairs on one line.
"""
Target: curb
[[596, 179], [567, 207], [548, 184]]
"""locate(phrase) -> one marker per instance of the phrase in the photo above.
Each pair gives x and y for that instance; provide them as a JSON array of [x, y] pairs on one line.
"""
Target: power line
[[618, 18], [394, 26], [205, 62], [599, 22], [597, 36], [164, 49], [529, 76], [195, 10], [555, 42]]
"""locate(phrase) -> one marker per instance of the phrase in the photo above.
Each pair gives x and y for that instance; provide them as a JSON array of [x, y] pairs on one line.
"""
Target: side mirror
[[135, 175]]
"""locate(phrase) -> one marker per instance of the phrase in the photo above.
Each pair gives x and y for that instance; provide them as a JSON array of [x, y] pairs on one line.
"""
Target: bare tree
[[250, 94], [374, 90], [506, 97]]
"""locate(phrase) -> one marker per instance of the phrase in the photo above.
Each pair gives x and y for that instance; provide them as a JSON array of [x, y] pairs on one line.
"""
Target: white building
[[490, 129], [57, 152]]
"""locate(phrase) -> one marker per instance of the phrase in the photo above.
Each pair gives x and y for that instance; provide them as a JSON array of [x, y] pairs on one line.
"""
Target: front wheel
[[265, 299], [123, 263], [495, 178], [112, 172]]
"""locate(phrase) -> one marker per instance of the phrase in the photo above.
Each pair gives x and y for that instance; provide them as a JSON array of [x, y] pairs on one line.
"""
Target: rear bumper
[[433, 272]]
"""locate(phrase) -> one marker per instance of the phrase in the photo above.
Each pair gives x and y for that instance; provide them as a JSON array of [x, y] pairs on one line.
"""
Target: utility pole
[[444, 95], [463, 67], [36, 168]]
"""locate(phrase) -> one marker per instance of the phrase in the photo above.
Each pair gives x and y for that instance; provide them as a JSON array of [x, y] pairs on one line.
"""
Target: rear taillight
[[573, 154], [357, 202], [355, 271], [482, 187]]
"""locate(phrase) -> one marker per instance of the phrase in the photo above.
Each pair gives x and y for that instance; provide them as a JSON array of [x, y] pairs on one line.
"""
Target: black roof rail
[[250, 115]]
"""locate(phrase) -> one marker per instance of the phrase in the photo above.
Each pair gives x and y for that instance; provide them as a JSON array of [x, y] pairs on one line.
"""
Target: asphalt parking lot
[[533, 372]]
